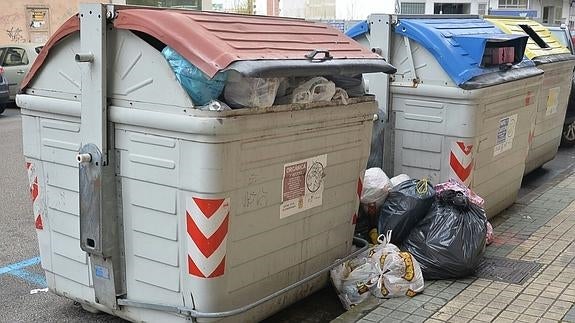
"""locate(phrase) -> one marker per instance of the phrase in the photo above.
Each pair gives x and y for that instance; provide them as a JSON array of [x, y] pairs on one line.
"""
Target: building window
[[513, 4], [451, 8], [412, 8], [482, 9]]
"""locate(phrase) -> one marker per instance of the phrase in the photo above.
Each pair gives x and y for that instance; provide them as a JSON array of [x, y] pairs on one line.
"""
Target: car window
[[38, 49], [2, 50], [15, 56], [561, 36]]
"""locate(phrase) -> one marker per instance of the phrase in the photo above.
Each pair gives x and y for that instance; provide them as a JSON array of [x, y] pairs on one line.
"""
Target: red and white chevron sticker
[[34, 187], [461, 161], [207, 223]]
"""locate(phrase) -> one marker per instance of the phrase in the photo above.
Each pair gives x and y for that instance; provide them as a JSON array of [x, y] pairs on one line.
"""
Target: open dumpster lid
[[541, 44], [216, 41], [458, 44]]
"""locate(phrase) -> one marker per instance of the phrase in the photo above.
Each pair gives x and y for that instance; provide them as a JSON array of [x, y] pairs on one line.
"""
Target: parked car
[[4, 91], [16, 59], [568, 137]]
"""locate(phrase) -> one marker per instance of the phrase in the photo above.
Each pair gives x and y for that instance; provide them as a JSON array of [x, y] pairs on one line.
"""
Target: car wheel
[[568, 136], [2, 108]]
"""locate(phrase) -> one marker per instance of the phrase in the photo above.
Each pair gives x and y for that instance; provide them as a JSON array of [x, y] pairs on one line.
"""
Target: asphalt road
[[19, 250], [19, 246]]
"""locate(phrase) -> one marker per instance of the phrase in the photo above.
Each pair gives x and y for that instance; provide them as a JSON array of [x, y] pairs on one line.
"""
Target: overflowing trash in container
[[460, 106], [231, 90], [188, 172]]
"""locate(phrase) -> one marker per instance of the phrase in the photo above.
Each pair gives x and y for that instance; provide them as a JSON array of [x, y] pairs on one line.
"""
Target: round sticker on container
[[314, 177]]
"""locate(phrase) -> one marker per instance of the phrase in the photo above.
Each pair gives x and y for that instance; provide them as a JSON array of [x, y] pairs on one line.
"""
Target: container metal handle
[[312, 55], [190, 312]]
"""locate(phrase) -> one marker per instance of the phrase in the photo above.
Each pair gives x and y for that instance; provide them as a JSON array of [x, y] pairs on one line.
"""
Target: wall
[[17, 25]]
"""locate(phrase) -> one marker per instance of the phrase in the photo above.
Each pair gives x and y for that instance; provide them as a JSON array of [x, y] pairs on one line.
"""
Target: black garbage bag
[[363, 224], [449, 241], [406, 204]]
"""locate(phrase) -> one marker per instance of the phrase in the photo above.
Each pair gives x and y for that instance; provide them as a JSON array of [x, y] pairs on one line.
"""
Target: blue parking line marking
[[18, 270], [19, 265], [29, 277]]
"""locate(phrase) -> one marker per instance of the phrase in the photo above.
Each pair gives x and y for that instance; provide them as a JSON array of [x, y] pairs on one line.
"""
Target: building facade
[[550, 12], [23, 21]]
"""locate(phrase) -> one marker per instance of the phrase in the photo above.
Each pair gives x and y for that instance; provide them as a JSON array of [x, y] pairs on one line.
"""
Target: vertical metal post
[[99, 232], [380, 40], [93, 44]]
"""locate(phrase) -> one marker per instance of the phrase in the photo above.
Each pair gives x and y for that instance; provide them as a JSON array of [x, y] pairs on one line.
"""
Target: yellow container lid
[[541, 44]]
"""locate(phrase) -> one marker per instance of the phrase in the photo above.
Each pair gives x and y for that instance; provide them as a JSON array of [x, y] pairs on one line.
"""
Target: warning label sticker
[[302, 185], [505, 134], [552, 101]]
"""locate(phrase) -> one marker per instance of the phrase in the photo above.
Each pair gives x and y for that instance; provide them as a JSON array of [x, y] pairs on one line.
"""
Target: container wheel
[[89, 308], [568, 136]]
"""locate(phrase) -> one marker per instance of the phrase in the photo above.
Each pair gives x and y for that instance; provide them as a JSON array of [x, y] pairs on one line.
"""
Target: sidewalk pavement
[[540, 228]]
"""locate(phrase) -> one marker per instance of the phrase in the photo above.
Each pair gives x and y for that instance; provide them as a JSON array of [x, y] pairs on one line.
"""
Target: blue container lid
[[458, 44]]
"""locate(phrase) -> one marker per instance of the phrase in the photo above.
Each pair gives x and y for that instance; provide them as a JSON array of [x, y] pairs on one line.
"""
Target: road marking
[[20, 265], [18, 270]]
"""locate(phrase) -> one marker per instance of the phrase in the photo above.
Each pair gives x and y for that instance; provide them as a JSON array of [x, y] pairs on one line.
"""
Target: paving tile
[[484, 317], [473, 307], [528, 298], [514, 288], [527, 318], [516, 309], [447, 295], [520, 302], [438, 300], [413, 319], [422, 297], [545, 320], [433, 321], [458, 302], [430, 292], [481, 301], [509, 315], [398, 315], [564, 297], [382, 311], [534, 312], [424, 312], [372, 317], [457, 319], [442, 316], [466, 313], [432, 307], [554, 290], [543, 300], [532, 292], [390, 305], [540, 306], [508, 294], [491, 311], [553, 315], [503, 320]]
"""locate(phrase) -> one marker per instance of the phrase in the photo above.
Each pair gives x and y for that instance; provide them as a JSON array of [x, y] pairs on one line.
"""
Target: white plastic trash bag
[[215, 105], [250, 92], [313, 90], [376, 186], [400, 274], [353, 281], [399, 179]]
